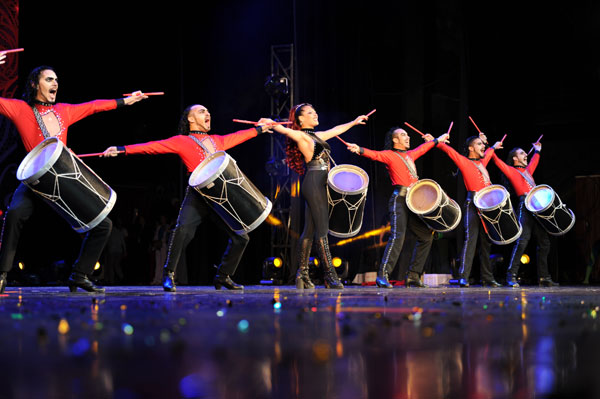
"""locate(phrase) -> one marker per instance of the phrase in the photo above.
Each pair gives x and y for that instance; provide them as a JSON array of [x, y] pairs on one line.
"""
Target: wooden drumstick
[[476, 127], [414, 128], [502, 141], [12, 50], [450, 128], [256, 123], [152, 93], [371, 113], [533, 148], [341, 139], [96, 154]]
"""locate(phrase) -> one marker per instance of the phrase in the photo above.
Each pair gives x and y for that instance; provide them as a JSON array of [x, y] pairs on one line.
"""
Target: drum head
[[40, 159], [423, 196], [209, 169], [491, 197], [539, 198], [348, 179]]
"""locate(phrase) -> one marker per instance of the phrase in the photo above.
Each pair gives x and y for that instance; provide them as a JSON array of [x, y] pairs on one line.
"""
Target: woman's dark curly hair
[[184, 123], [295, 159], [31, 85], [389, 137]]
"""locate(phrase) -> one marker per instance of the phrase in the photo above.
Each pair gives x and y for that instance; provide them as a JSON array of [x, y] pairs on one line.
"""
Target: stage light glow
[[337, 262], [312, 261], [21, 265], [363, 236], [525, 259], [97, 266], [273, 221]]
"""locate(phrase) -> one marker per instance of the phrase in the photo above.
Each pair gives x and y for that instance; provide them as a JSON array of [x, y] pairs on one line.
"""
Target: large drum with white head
[[69, 186], [549, 210], [229, 193], [497, 214], [347, 194], [426, 199]]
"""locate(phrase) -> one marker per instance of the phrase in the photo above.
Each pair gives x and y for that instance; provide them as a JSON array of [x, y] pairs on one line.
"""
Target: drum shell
[[506, 228], [241, 205], [442, 213], [345, 222], [69, 186], [555, 218]]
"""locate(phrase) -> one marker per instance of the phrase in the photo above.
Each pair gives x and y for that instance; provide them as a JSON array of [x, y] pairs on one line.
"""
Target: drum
[[549, 210], [426, 199], [69, 186], [229, 193], [497, 215], [346, 193]]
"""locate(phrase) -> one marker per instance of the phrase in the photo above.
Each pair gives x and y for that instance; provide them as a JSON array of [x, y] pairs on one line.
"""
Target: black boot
[[330, 276], [547, 282], [169, 281], [491, 283], [302, 277], [224, 280], [2, 282], [80, 280], [414, 280], [511, 280], [382, 279]]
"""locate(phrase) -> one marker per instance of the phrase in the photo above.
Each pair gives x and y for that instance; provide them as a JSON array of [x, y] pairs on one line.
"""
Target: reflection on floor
[[276, 342]]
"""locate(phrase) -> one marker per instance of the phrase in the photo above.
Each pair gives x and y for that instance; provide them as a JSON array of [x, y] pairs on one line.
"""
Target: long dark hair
[[31, 85], [184, 123], [389, 137], [295, 159]]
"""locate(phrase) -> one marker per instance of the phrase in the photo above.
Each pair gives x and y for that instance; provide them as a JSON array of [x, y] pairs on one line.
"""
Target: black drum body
[[497, 214], [69, 186], [229, 192], [549, 210], [426, 199], [346, 194]]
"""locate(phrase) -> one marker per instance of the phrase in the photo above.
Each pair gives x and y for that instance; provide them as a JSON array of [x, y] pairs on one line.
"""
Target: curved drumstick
[[414, 128], [532, 148], [96, 154], [476, 127], [152, 93], [12, 50]]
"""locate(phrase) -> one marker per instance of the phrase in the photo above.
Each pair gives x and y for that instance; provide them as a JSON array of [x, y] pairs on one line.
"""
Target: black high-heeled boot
[[169, 281], [80, 280], [224, 280], [302, 277], [382, 279], [2, 282], [330, 276]]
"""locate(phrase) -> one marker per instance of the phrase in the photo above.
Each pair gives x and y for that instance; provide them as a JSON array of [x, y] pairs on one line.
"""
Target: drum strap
[[40, 122], [202, 145], [528, 178], [410, 165], [483, 171]]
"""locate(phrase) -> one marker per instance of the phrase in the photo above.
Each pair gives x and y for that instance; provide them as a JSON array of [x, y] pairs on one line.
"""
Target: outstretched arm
[[336, 131]]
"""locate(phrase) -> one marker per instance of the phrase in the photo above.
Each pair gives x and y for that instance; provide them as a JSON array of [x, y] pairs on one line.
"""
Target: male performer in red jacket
[[520, 175], [38, 117], [193, 145]]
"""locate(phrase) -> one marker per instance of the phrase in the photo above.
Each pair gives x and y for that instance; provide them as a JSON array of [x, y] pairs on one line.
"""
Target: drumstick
[[256, 123], [153, 93], [414, 128], [370, 113], [450, 128], [12, 50], [96, 154], [341, 139], [502, 141], [476, 127], [532, 148]]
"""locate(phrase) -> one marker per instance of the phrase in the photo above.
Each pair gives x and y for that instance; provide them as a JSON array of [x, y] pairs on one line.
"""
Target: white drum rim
[[33, 153], [355, 168], [479, 193], [217, 173], [530, 194], [423, 182], [101, 216], [259, 220]]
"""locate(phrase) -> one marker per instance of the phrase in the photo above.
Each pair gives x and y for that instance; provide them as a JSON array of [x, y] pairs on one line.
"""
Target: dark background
[[516, 68]]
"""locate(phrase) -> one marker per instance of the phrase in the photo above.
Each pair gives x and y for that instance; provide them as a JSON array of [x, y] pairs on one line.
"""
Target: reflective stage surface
[[278, 342]]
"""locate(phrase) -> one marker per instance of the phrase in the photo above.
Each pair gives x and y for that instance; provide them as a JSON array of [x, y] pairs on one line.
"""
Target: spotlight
[[341, 267], [277, 86], [97, 266], [312, 261], [272, 271], [525, 259], [277, 167], [21, 265]]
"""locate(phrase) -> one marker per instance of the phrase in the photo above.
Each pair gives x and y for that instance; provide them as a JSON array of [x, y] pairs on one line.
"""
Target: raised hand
[[353, 148], [110, 152]]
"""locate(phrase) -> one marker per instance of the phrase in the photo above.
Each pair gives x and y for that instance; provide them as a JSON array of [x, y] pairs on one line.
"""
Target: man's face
[[520, 158], [477, 148], [401, 139], [47, 87], [199, 118]]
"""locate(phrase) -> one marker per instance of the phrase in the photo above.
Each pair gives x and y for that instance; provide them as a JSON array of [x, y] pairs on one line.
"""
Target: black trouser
[[194, 210], [530, 225], [473, 231], [402, 218], [21, 207], [316, 211]]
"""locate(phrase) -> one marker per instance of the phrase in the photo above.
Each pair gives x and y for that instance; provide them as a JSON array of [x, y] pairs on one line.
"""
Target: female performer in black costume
[[305, 147]]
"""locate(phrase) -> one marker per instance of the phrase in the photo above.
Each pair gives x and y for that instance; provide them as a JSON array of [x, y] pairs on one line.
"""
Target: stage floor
[[278, 342]]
